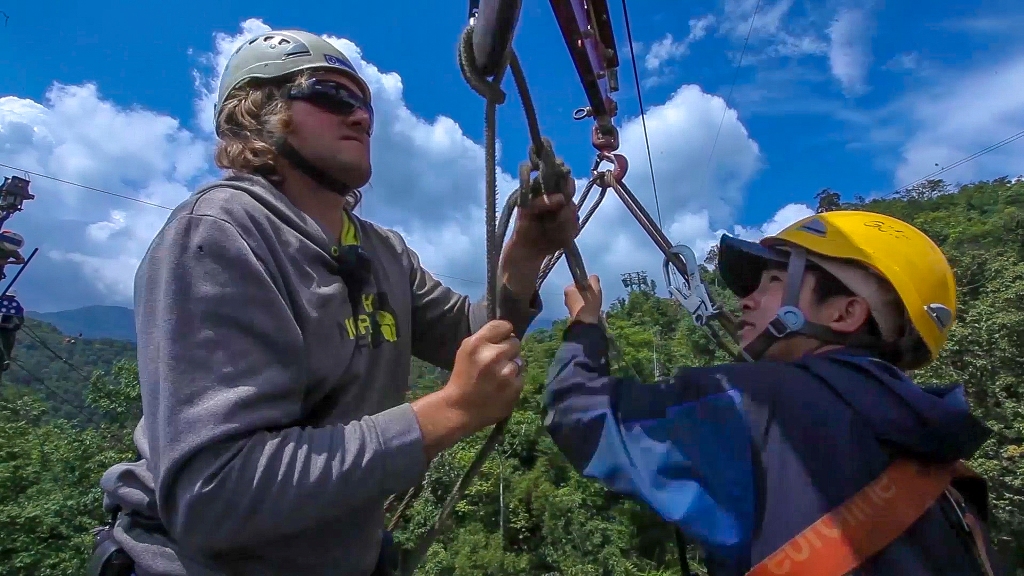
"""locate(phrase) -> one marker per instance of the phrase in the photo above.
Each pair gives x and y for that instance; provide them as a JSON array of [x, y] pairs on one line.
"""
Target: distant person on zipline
[[275, 334], [821, 457]]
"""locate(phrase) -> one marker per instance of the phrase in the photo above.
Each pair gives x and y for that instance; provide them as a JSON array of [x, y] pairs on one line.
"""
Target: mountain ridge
[[97, 321], [118, 322]]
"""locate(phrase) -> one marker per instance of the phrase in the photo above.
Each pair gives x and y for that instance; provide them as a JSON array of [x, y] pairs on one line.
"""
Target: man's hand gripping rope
[[552, 174]]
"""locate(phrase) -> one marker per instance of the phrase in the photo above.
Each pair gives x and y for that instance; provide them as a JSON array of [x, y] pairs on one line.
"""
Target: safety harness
[[867, 522]]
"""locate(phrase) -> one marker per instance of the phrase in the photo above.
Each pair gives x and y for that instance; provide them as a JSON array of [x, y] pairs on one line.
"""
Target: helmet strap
[[302, 164], [790, 320]]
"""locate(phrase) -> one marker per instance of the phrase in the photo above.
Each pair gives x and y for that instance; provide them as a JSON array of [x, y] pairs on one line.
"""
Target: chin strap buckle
[[788, 319]]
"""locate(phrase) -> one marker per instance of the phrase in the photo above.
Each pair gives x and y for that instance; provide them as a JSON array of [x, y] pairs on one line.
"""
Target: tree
[[828, 200], [925, 190], [711, 260]]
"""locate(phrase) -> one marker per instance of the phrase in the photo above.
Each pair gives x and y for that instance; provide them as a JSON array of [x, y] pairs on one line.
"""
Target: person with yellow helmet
[[820, 457]]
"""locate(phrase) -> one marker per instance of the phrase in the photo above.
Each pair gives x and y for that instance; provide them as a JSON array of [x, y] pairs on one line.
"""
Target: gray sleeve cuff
[[402, 441]]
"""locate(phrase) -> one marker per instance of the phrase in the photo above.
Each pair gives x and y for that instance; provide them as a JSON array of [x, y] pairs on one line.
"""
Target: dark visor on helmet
[[333, 97]]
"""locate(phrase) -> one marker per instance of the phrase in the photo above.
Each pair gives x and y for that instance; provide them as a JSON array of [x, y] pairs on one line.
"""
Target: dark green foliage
[[529, 512], [49, 473], [59, 367]]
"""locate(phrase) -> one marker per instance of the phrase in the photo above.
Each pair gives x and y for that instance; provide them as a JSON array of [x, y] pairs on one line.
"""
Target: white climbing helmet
[[281, 53]]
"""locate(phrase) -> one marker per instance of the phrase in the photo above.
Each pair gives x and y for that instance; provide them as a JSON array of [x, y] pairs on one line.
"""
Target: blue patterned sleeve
[[682, 446]]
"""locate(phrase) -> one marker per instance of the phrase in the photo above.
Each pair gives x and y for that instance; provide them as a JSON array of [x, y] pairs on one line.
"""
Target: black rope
[[643, 116], [492, 93]]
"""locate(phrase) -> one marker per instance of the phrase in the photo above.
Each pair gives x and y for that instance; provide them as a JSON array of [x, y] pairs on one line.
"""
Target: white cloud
[[694, 211], [668, 48], [786, 215], [776, 31], [960, 114], [769, 20], [77, 135], [694, 229], [850, 50], [903, 62], [101, 231], [1007, 23], [664, 50]]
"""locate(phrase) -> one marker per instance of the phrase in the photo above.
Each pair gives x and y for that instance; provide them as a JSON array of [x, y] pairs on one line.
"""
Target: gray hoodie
[[275, 426]]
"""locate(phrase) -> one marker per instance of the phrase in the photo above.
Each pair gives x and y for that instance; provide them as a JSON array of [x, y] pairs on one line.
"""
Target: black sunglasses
[[333, 97]]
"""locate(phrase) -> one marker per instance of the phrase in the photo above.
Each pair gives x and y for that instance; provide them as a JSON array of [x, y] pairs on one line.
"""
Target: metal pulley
[[587, 30], [494, 26]]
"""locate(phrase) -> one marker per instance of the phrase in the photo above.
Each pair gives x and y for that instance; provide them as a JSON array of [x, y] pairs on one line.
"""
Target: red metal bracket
[[587, 29]]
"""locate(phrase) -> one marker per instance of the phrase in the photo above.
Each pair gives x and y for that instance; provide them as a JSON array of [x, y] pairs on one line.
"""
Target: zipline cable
[[960, 162], [100, 190], [643, 114], [725, 109], [87, 379], [31, 334]]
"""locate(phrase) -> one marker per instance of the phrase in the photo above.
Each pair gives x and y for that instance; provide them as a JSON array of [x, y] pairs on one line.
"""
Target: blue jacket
[[742, 457]]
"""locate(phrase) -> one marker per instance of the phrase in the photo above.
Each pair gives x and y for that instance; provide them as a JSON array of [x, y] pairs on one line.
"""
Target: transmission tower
[[633, 281], [14, 191]]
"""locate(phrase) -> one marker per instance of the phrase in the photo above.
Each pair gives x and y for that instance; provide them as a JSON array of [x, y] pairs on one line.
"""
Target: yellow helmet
[[894, 250]]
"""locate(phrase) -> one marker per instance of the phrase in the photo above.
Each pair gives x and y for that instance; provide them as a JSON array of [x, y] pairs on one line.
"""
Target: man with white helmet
[[819, 458], [275, 334]]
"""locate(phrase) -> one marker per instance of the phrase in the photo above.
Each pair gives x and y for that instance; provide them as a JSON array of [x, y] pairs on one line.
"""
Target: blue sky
[[861, 97]]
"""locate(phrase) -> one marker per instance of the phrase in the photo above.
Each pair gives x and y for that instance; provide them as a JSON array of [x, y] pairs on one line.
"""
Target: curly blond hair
[[253, 117]]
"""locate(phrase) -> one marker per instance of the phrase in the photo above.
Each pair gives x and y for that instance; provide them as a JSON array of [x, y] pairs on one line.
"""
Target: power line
[[62, 181], [87, 379], [643, 115], [31, 334], [39, 380], [960, 162], [43, 383], [456, 278], [725, 109], [155, 205]]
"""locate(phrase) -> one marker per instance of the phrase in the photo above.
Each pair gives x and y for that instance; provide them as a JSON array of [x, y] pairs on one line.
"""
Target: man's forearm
[[441, 425], [519, 270], [232, 494]]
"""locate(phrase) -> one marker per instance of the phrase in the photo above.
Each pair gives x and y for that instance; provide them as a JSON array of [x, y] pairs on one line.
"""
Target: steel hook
[[620, 165]]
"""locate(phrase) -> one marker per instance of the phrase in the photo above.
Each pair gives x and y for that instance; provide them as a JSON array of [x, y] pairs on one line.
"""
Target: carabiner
[[620, 165]]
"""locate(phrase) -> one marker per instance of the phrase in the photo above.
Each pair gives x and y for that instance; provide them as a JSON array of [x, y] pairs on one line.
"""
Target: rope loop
[[489, 90]]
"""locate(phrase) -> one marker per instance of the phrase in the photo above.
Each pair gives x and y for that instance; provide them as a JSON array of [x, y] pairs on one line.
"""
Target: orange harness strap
[[863, 525]]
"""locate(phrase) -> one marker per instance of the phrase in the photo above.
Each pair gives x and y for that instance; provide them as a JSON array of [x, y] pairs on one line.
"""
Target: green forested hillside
[[58, 367], [528, 512]]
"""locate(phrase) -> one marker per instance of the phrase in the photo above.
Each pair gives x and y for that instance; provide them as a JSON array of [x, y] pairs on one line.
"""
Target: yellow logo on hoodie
[[373, 322]]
